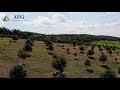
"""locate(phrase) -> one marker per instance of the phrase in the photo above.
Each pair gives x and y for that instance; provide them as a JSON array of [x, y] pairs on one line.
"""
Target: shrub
[[23, 54], [48, 42], [28, 47], [92, 47], [88, 62], [103, 58], [100, 49], [59, 63], [15, 37], [108, 48], [18, 71], [50, 47], [90, 52], [81, 48], [110, 51], [108, 74], [24, 36], [29, 41], [75, 54], [115, 58]]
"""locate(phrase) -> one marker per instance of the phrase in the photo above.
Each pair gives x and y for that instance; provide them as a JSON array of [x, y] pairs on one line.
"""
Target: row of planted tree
[[108, 73], [20, 70]]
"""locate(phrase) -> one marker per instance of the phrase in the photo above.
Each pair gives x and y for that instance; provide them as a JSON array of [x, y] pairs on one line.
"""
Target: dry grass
[[39, 64]]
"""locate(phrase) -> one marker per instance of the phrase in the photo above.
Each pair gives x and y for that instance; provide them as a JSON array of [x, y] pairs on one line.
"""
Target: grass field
[[39, 64]]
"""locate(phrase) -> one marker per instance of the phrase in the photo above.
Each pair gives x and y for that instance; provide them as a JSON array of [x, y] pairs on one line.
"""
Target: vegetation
[[88, 62], [28, 47], [18, 71], [59, 63], [81, 48], [90, 52], [108, 74], [29, 41], [103, 58], [15, 37], [23, 54], [33, 45]]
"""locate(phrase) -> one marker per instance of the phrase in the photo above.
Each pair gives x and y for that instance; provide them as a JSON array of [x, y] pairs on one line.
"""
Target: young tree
[[18, 71], [75, 54], [100, 49], [59, 63], [74, 43], [103, 58], [28, 47], [23, 54], [108, 74], [115, 58], [81, 48], [88, 62], [92, 47], [29, 41], [90, 52], [15, 37], [50, 47], [68, 52], [48, 42], [110, 52]]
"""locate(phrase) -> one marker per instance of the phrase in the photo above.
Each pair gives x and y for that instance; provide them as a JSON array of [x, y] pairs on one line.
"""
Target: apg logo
[[6, 18], [18, 17]]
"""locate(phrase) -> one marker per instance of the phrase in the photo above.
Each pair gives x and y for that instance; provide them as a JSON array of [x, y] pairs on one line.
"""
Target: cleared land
[[39, 64]]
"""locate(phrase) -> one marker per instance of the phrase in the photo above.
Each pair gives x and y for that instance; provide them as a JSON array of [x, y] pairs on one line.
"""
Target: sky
[[94, 23]]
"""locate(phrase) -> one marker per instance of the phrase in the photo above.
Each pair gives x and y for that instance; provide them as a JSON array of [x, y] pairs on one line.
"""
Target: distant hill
[[61, 38]]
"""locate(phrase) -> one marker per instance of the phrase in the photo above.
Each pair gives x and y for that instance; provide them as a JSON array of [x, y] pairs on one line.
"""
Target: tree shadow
[[76, 59], [105, 66], [118, 62], [91, 57], [50, 53], [82, 52], [90, 70]]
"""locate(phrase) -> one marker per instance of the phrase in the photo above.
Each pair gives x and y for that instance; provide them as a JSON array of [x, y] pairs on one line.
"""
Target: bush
[[15, 37], [75, 54], [48, 42], [100, 49], [108, 48], [110, 51], [88, 62], [59, 63], [18, 71], [29, 41], [50, 47], [90, 52], [24, 36], [81, 48], [103, 58], [23, 54], [115, 58], [108, 74], [92, 47], [28, 47]]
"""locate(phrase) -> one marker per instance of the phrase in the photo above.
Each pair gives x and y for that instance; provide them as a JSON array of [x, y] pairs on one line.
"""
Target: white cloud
[[111, 12], [58, 23], [58, 17]]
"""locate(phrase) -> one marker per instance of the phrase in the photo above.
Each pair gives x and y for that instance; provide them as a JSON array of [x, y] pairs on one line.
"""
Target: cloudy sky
[[95, 23]]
